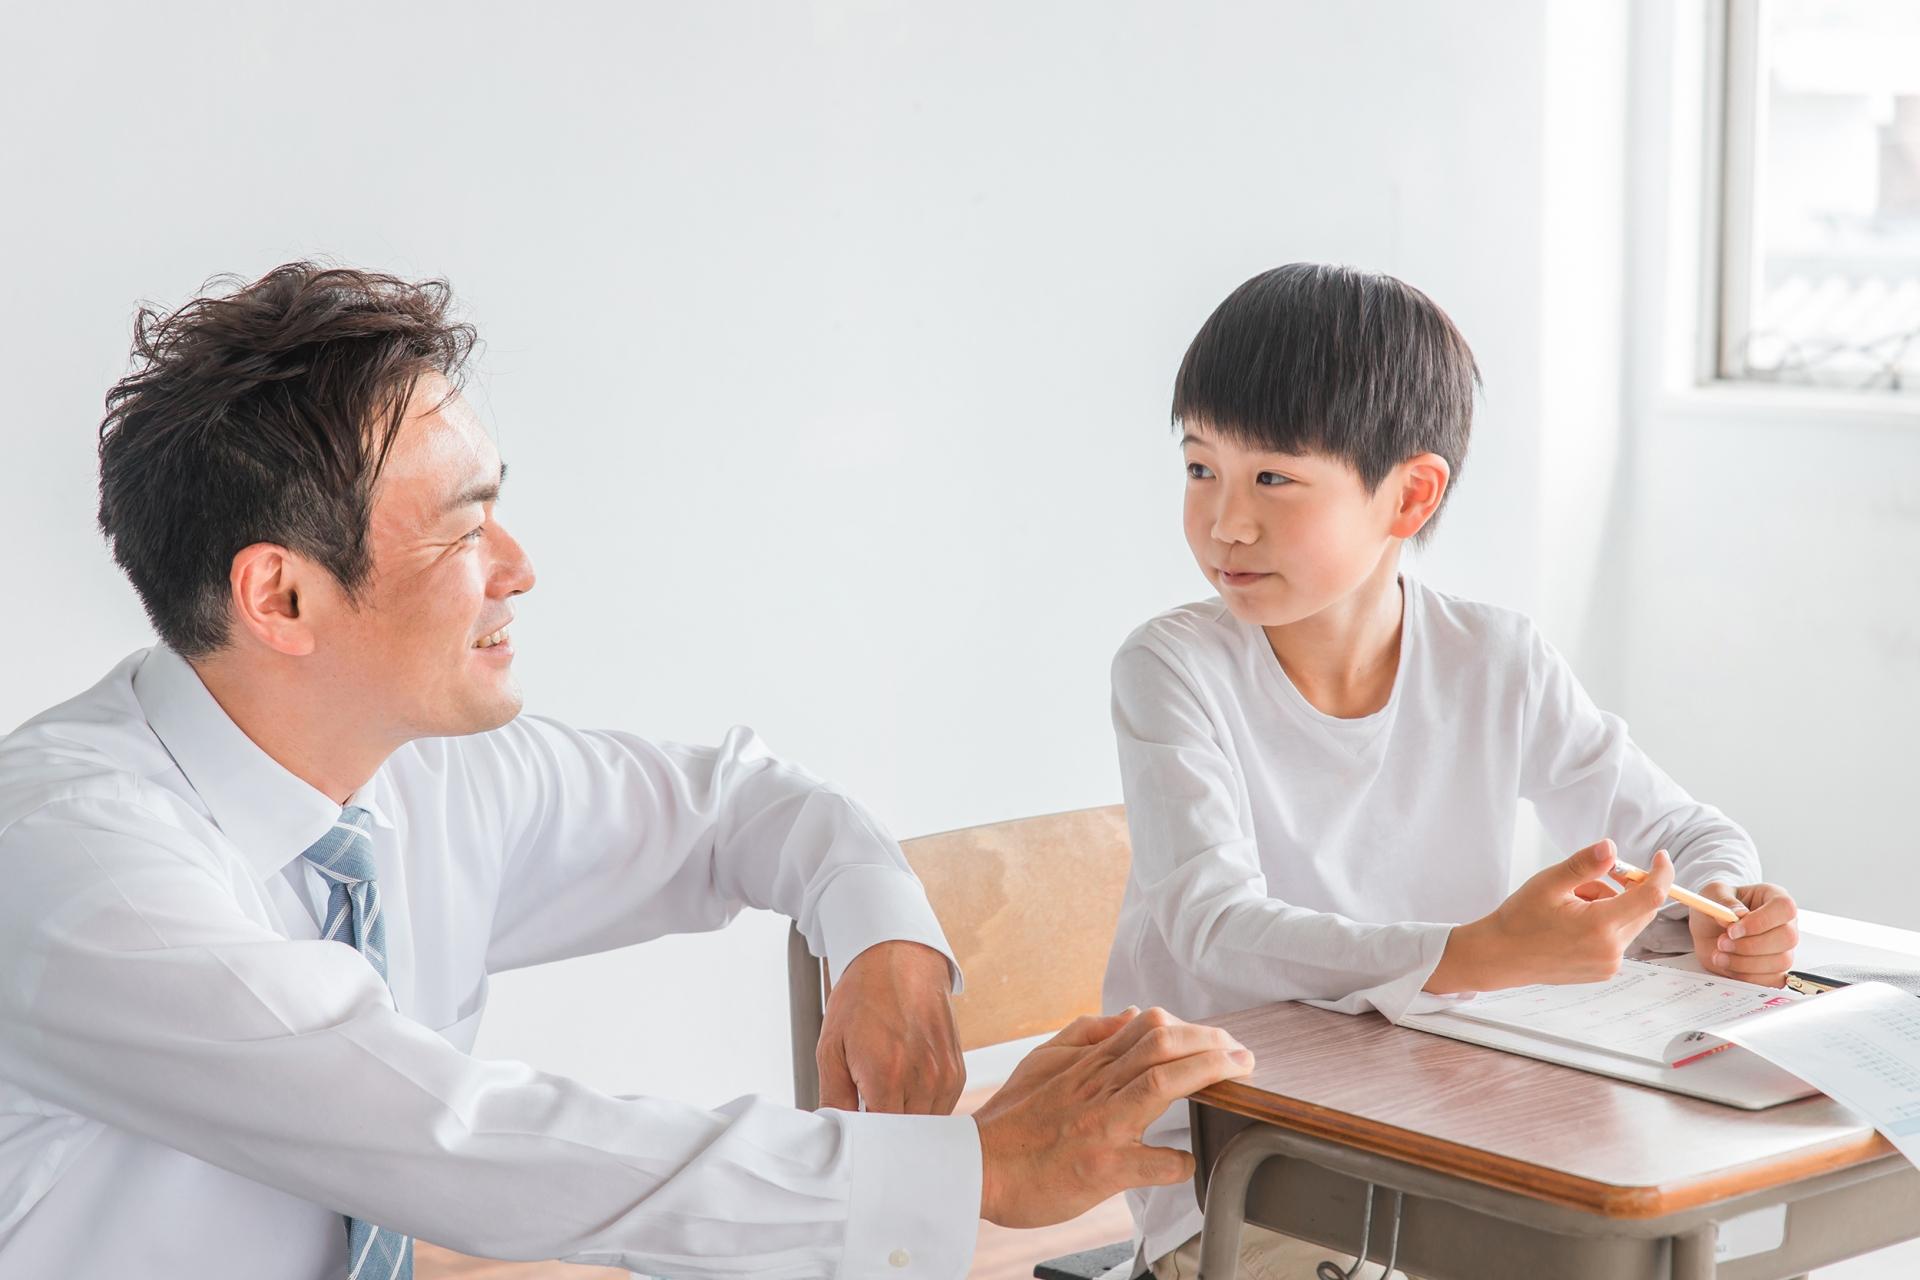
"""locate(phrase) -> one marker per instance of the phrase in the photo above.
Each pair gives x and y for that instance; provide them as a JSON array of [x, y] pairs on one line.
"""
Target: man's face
[[426, 651], [1281, 536]]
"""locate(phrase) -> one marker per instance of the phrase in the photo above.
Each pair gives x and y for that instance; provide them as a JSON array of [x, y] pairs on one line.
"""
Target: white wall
[[831, 347], [1762, 624]]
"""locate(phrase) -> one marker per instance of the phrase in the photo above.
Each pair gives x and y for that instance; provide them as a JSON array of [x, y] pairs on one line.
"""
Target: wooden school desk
[[1511, 1167]]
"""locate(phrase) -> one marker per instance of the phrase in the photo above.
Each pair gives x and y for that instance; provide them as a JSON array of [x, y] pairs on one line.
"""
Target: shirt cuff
[[1407, 993], [863, 906], [914, 1208], [1665, 935], [1421, 946]]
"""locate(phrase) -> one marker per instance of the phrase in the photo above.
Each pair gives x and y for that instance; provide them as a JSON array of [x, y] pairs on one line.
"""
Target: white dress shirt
[[192, 1084], [1280, 853]]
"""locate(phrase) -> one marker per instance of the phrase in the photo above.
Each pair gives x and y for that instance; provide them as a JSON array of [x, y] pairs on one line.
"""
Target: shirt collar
[[271, 816]]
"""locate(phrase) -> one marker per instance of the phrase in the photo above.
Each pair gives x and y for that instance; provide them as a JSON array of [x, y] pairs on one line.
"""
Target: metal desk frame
[[1451, 1228]]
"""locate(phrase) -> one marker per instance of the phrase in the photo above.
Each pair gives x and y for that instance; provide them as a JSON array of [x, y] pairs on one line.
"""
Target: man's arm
[[612, 839], [133, 991]]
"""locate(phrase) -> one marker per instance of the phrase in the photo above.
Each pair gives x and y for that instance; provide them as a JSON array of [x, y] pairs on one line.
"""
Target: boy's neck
[[1344, 658]]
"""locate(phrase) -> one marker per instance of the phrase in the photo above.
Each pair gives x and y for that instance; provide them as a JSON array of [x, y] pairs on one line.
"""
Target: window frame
[[1735, 117]]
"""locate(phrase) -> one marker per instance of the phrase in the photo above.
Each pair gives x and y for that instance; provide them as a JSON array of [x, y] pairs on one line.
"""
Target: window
[[1820, 194]]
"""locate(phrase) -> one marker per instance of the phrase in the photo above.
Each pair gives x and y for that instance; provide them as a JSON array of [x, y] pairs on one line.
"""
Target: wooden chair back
[[1029, 908]]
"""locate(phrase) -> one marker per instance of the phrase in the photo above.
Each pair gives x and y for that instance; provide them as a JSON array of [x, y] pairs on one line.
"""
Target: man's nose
[[513, 571]]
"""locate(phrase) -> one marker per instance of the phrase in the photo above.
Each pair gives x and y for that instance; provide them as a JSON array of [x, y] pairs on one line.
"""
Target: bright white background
[[831, 348]]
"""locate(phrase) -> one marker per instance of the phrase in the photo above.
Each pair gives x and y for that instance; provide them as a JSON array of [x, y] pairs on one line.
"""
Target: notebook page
[[1859, 1045], [1637, 1013]]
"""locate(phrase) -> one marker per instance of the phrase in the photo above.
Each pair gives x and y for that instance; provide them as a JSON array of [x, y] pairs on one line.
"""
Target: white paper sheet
[[1859, 1045]]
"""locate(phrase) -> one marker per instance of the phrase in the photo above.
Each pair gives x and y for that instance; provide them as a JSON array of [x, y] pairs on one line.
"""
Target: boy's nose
[[1232, 523]]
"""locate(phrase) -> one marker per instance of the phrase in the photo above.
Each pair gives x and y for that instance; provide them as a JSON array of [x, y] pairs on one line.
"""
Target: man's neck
[[1343, 660], [304, 735]]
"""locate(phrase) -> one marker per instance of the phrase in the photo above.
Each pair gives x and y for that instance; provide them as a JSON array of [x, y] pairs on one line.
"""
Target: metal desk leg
[[1226, 1207], [1693, 1253]]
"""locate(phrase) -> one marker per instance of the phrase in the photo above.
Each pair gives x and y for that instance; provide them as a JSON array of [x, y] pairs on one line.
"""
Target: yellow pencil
[[1718, 910]]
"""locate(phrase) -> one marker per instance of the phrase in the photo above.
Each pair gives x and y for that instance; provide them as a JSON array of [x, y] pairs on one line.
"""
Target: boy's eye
[[1272, 478], [1198, 471]]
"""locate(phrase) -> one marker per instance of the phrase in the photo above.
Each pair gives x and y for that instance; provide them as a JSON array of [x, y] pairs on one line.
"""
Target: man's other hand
[[888, 1038], [1063, 1133]]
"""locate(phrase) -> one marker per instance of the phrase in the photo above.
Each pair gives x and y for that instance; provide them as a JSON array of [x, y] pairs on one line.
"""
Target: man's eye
[[475, 535], [1198, 471], [1272, 478]]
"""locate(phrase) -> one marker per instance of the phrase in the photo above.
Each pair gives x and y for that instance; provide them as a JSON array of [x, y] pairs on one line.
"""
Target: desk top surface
[[1552, 1132]]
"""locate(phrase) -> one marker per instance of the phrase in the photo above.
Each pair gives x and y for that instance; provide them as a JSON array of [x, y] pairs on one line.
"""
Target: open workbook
[[1648, 1012], [1625, 1027]]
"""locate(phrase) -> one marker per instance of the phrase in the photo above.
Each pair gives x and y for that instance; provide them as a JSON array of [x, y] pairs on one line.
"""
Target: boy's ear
[[1420, 483]]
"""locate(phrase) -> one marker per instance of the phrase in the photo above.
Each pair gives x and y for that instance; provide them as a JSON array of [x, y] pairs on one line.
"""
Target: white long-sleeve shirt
[[1280, 853], [192, 1084]]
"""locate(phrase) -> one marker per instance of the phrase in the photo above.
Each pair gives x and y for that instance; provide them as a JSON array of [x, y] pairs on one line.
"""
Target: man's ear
[[1420, 483], [264, 584]]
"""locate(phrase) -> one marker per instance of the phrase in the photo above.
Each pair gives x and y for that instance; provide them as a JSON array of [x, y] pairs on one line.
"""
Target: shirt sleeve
[[612, 839], [1587, 779], [1197, 867], [135, 991]]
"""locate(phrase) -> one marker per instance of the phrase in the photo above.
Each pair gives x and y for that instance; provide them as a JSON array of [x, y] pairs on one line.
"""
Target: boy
[[1328, 755]]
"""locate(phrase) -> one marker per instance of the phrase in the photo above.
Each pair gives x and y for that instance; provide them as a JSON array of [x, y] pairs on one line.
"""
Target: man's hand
[[1564, 925], [1760, 947], [888, 1037], [1063, 1133]]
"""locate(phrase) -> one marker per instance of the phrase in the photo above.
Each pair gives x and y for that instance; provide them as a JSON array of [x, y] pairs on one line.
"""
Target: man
[[256, 878]]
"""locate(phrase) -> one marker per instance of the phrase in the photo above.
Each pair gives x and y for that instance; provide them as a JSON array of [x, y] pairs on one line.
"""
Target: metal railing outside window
[[1818, 210]]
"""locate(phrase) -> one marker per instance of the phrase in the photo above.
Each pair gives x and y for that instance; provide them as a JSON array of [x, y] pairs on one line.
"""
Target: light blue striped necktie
[[344, 859]]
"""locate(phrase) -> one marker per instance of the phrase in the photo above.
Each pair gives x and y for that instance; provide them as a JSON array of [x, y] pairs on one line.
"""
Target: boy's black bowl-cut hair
[[1350, 364]]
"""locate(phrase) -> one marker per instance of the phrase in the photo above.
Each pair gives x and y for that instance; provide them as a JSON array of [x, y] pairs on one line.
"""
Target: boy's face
[[1283, 536]]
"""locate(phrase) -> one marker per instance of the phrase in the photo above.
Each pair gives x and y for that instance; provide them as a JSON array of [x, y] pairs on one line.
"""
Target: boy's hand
[[1063, 1133], [1563, 925], [1760, 947]]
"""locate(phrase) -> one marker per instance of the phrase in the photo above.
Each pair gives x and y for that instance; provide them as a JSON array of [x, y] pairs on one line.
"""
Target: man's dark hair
[[1355, 365], [262, 413]]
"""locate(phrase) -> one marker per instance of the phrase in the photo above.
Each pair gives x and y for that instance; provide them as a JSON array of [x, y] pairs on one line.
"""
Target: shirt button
[[899, 1257]]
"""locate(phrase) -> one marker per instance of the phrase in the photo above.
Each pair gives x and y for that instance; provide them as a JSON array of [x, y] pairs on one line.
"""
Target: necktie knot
[[344, 855], [344, 859]]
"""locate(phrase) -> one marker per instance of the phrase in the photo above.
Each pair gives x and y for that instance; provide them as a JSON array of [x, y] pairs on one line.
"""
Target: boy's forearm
[[1467, 964], [1481, 956]]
